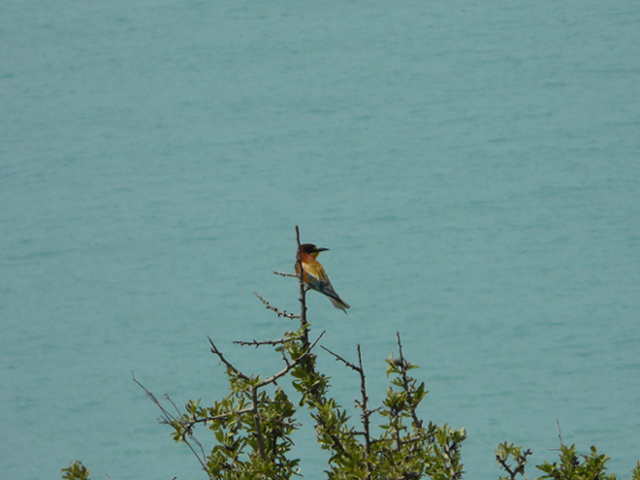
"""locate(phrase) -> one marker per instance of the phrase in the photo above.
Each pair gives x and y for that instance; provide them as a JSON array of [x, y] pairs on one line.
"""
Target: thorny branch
[[281, 313], [215, 350], [282, 274], [303, 294], [257, 343], [272, 378]]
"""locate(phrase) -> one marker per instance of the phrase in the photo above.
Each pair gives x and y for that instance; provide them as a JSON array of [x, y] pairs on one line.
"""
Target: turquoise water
[[473, 167]]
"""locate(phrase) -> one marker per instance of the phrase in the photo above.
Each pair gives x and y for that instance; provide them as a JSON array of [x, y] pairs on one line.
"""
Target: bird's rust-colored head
[[311, 249]]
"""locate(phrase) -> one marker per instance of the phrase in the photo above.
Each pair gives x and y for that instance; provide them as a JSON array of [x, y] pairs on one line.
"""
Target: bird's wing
[[327, 289], [323, 285], [317, 279]]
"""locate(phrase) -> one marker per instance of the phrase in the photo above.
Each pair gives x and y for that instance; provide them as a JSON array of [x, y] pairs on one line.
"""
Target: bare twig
[[284, 356], [175, 407], [559, 432], [215, 350], [263, 342], [281, 313], [339, 358], [282, 274], [166, 416], [169, 419]]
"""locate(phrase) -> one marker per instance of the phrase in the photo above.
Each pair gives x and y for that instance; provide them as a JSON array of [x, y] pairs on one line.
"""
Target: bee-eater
[[315, 277]]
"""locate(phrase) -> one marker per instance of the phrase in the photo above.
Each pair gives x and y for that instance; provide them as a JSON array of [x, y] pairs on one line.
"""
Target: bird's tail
[[339, 303]]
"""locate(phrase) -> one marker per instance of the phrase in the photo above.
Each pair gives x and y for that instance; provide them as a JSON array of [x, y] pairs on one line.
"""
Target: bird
[[315, 277]]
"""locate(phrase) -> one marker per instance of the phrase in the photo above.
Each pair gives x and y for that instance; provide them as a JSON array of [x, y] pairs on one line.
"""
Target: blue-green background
[[474, 168]]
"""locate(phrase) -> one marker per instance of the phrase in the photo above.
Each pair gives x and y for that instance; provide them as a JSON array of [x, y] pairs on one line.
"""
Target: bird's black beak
[[320, 249]]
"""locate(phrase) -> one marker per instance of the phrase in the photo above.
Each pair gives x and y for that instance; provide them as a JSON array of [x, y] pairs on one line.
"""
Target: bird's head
[[311, 249]]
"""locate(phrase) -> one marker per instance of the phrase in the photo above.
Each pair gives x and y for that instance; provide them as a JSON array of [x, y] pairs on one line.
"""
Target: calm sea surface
[[473, 166]]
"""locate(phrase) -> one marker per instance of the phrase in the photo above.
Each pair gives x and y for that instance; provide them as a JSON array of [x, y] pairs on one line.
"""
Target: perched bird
[[315, 277]]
